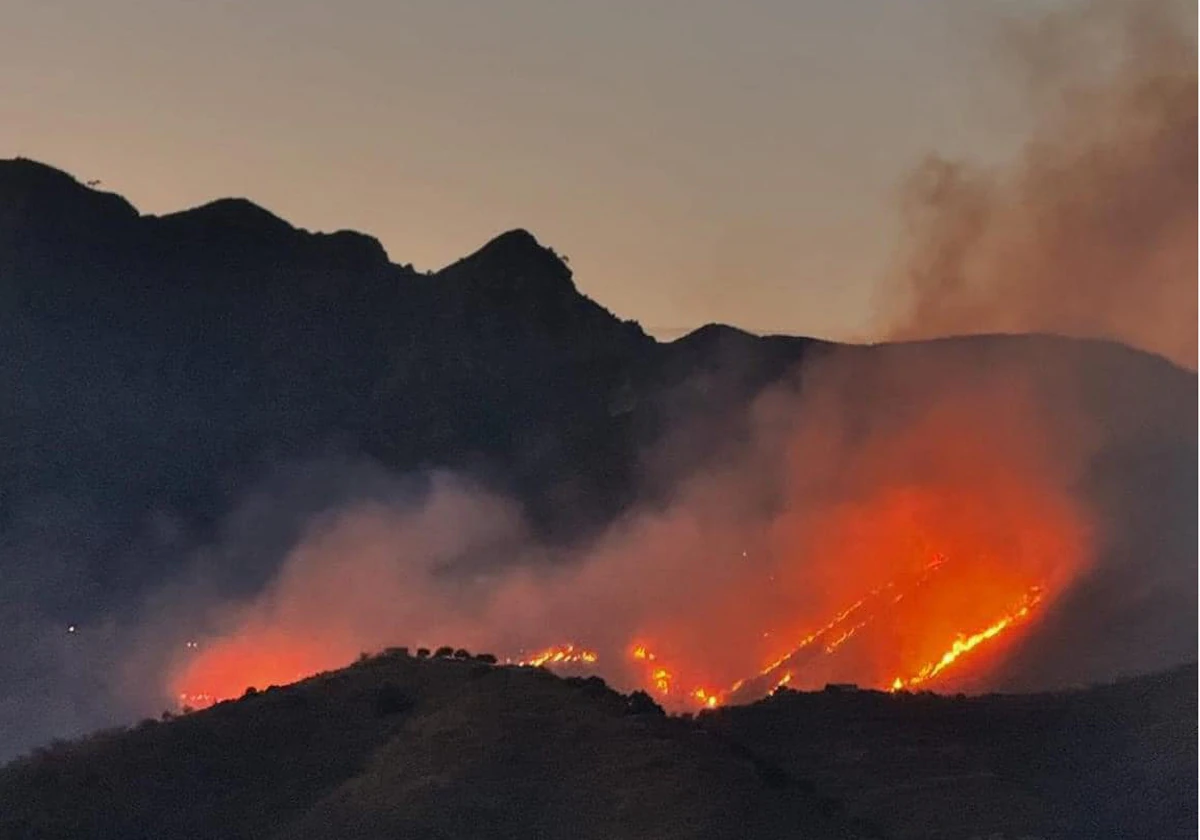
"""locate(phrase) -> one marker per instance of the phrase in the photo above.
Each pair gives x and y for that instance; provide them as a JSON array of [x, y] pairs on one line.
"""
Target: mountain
[[400, 746], [160, 371], [158, 361]]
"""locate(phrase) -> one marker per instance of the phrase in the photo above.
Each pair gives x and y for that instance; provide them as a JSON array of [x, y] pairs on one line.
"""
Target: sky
[[696, 160]]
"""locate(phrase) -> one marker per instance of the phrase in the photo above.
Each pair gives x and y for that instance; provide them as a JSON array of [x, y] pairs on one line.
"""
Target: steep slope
[[398, 746]]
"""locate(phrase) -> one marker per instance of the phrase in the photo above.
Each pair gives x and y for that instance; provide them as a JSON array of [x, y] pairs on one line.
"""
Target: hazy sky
[[697, 160]]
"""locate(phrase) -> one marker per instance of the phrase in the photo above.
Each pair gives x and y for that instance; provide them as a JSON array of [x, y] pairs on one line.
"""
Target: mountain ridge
[[161, 371]]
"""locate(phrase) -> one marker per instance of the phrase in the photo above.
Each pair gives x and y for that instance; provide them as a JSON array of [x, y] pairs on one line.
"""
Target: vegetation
[[399, 746]]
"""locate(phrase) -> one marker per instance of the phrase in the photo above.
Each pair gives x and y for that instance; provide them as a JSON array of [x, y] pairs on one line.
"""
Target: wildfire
[[661, 679], [230, 668], [557, 655], [963, 645], [904, 548]]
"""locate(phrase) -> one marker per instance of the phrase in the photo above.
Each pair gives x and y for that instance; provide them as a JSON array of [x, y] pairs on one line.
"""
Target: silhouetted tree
[[443, 652], [462, 653], [485, 657], [422, 653]]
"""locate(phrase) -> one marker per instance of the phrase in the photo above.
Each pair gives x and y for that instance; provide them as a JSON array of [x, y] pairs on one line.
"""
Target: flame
[[963, 645], [662, 679], [557, 655], [224, 670]]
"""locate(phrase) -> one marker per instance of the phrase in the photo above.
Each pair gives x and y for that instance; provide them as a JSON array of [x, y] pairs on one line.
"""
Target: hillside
[[1110, 761], [185, 394], [401, 746]]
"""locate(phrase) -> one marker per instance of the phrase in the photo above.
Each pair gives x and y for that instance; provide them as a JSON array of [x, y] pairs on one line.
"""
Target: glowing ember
[[557, 655], [963, 645], [849, 634], [231, 666], [891, 554]]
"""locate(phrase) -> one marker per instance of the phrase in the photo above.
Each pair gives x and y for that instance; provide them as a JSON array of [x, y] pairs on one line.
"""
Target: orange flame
[[963, 645], [557, 655]]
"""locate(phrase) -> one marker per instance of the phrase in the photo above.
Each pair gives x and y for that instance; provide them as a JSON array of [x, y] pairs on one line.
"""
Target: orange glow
[[926, 557], [224, 670], [963, 645], [557, 655]]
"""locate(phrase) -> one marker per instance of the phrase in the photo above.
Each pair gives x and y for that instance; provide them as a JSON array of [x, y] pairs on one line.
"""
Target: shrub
[[486, 657], [462, 653], [422, 653], [443, 652]]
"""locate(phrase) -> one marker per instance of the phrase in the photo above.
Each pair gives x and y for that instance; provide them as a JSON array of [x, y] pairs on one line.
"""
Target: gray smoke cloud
[[1092, 230]]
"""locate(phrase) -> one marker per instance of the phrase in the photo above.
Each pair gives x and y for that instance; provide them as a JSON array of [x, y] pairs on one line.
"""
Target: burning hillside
[[916, 553]]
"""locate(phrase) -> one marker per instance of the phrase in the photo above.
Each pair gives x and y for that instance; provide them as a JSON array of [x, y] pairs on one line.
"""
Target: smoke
[[1014, 463], [854, 475], [1092, 230], [1010, 465]]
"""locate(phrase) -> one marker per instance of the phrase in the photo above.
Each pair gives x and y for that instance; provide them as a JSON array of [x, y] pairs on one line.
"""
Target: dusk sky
[[696, 160]]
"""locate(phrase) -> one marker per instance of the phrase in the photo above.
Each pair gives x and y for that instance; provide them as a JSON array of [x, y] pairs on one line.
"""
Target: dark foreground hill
[[1111, 761], [401, 747]]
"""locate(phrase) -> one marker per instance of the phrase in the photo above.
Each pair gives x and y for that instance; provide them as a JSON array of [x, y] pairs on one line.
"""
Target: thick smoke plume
[[1092, 230]]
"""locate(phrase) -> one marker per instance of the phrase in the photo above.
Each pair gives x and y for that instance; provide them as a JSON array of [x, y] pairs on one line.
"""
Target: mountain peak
[[514, 253], [236, 214], [38, 189]]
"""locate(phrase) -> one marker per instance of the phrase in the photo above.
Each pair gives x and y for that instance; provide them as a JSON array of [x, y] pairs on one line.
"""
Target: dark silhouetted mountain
[[395, 746]]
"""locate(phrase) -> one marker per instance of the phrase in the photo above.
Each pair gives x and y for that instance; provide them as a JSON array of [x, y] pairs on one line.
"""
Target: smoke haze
[[1091, 231], [855, 474]]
